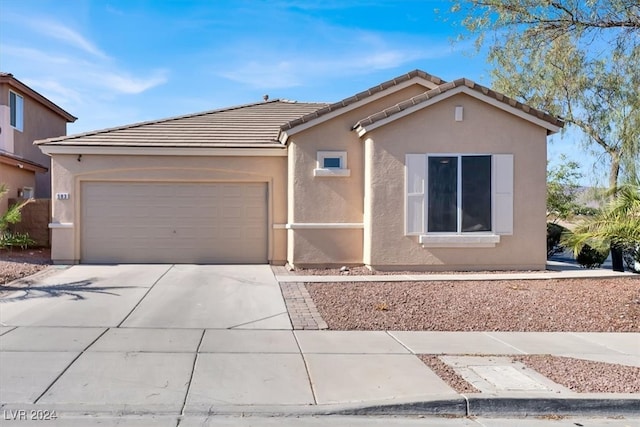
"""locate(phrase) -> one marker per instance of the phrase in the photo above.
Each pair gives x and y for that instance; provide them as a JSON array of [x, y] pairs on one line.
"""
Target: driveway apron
[[213, 297]]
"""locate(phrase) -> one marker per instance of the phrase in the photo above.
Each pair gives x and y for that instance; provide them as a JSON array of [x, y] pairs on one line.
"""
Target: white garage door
[[134, 222]]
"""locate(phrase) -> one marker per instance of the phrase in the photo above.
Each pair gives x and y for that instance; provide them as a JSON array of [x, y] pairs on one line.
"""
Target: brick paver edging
[[302, 310]]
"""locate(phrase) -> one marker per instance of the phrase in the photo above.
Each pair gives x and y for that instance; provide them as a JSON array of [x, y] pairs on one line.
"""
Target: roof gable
[[446, 90], [7, 78], [330, 111]]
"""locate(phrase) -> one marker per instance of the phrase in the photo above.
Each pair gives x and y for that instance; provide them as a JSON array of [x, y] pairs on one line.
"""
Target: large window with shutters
[[460, 195]]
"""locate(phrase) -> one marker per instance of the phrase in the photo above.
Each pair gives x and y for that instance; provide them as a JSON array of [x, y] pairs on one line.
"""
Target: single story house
[[415, 173]]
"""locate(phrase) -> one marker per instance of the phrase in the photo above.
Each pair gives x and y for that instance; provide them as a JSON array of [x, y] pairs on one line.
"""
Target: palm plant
[[12, 216], [618, 224]]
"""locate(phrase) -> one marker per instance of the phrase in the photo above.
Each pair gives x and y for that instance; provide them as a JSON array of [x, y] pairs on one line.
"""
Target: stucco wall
[[329, 200], [15, 179], [484, 130], [39, 123], [69, 173]]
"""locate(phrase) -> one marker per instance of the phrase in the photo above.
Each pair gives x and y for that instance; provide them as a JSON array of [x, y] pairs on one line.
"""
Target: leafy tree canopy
[[577, 59]]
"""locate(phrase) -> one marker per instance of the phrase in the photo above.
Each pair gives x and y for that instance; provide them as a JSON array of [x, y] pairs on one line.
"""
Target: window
[[459, 195], [16, 107], [331, 163]]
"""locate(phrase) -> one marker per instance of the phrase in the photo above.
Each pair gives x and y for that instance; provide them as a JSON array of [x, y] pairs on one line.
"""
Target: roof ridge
[[363, 95], [11, 80], [447, 86], [162, 120]]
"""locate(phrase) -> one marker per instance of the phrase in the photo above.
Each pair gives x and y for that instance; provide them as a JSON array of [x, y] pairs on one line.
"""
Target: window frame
[[459, 200], [502, 203], [16, 111], [321, 170]]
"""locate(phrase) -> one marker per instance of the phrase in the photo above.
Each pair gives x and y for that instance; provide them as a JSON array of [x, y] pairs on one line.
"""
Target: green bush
[[592, 257], [10, 240], [554, 234]]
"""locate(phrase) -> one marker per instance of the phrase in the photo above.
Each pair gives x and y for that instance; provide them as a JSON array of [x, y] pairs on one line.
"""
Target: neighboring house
[[415, 173], [26, 116]]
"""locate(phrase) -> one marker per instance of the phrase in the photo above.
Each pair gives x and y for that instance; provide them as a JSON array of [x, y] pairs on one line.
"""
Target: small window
[[331, 163], [16, 107]]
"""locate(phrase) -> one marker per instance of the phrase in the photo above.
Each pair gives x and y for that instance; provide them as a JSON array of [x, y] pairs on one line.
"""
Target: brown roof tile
[[360, 96], [249, 124], [445, 87]]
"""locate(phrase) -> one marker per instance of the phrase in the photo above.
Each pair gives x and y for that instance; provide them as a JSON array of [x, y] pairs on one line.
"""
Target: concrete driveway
[[152, 296]]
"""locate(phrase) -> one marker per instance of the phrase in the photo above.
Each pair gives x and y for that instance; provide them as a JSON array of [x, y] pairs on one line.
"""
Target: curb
[[540, 406], [461, 406]]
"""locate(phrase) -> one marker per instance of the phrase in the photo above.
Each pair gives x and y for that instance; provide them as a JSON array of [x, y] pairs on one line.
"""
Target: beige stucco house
[[415, 173], [26, 116]]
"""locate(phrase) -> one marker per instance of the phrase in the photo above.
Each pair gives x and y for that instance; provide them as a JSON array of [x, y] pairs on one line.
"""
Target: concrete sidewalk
[[191, 341], [195, 372], [555, 270]]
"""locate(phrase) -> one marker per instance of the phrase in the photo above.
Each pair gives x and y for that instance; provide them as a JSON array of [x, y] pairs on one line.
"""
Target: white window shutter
[[503, 193], [416, 165]]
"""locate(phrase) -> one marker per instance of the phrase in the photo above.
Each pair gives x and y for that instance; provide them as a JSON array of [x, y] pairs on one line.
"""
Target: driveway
[[151, 296]]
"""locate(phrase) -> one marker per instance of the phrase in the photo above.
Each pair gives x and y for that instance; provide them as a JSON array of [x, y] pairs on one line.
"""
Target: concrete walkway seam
[[144, 296], [69, 366]]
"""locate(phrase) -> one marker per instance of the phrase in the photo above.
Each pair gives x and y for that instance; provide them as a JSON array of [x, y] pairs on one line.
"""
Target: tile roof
[[8, 78], [445, 87], [243, 125], [360, 96], [14, 160]]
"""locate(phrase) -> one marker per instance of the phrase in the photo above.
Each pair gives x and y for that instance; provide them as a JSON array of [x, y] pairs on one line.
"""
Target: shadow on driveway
[[77, 290]]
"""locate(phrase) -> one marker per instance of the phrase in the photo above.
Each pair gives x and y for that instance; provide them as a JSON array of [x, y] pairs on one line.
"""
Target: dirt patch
[[16, 264], [578, 305], [585, 376]]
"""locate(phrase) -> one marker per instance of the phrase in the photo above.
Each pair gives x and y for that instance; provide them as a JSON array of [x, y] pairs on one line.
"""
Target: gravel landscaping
[[578, 375], [585, 376], [16, 264], [574, 305], [447, 374]]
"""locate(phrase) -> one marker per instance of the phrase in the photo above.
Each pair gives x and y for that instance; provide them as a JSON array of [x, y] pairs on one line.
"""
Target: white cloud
[[325, 52], [61, 32], [131, 85]]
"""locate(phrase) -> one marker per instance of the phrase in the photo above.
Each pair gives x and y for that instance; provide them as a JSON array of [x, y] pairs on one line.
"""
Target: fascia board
[[362, 130], [278, 151], [325, 117]]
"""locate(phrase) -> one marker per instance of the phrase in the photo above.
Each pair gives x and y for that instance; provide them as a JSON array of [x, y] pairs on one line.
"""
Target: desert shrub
[[592, 257], [15, 240], [554, 234]]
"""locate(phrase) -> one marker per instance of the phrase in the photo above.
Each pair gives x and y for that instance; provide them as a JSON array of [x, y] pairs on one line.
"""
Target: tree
[[562, 190], [618, 224], [578, 60]]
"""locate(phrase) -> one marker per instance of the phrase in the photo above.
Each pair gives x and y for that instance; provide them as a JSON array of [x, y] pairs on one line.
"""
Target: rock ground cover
[[16, 264], [573, 305]]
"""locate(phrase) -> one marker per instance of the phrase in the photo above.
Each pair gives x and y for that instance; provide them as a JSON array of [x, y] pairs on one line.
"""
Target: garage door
[[133, 222]]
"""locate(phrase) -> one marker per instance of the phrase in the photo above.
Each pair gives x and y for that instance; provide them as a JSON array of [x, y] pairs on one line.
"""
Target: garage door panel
[[174, 222]]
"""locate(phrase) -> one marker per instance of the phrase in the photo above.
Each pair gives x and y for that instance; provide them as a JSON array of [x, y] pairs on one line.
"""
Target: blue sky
[[114, 62]]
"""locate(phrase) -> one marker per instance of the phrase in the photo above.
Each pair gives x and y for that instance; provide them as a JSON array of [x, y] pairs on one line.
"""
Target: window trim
[[416, 192], [458, 231], [320, 170], [19, 111]]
